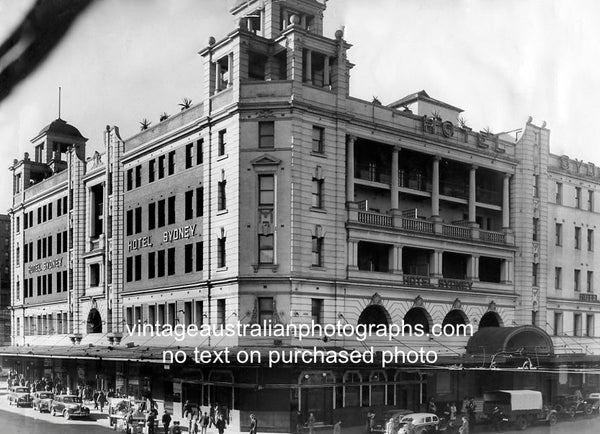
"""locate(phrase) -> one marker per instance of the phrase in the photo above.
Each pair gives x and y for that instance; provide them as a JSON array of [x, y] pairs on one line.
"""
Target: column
[[397, 260], [437, 259], [308, 67], [472, 194], [350, 168], [352, 255], [506, 202], [395, 182], [435, 187], [218, 83], [326, 73], [230, 72], [473, 268]]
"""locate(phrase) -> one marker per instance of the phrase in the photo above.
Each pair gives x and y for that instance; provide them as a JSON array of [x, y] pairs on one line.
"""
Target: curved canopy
[[528, 339]]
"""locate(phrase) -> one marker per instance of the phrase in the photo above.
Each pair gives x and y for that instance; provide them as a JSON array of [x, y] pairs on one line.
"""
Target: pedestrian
[[205, 421], [96, 400], [212, 415], [337, 428], [220, 424], [150, 422], [464, 428], [431, 407], [129, 422], [195, 424], [311, 423], [471, 411], [253, 424], [299, 422], [101, 400], [452, 412], [496, 418], [370, 420], [166, 420]]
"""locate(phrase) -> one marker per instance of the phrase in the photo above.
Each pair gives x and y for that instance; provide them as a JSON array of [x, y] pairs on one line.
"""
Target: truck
[[519, 407]]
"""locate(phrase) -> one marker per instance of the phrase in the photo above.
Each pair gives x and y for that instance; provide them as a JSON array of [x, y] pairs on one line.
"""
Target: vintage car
[[423, 423], [69, 406], [20, 396], [572, 405], [42, 401], [380, 422], [518, 407], [594, 400], [119, 407]]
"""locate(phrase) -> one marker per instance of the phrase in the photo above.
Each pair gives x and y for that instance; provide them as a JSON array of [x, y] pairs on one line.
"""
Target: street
[[27, 422]]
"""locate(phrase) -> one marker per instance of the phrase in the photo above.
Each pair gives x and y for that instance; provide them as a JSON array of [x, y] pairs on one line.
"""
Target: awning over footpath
[[527, 340]]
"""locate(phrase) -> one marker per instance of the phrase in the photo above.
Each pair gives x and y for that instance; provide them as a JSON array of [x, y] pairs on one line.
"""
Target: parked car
[[20, 396], [571, 405], [42, 401], [380, 422], [119, 407], [519, 407], [423, 423], [69, 406], [594, 400]]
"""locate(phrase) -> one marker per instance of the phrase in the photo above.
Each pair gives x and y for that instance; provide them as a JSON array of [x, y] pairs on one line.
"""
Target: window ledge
[[318, 154], [272, 267], [222, 157], [223, 211], [221, 269], [317, 268], [321, 210]]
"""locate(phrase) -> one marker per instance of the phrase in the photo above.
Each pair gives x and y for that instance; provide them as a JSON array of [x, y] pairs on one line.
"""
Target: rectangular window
[[161, 167], [221, 311], [558, 232], [557, 278], [129, 224], [590, 281], [151, 215], [590, 203], [58, 207], [65, 280], [151, 170], [189, 155], [266, 134], [534, 273], [266, 249], [317, 251], [44, 213], [171, 166], [187, 313], [160, 268], [172, 313], [39, 249], [199, 313], [129, 179], [129, 269], [317, 140], [536, 186], [171, 203], [50, 245], [58, 282], [221, 257], [576, 280], [265, 310], [199, 152], [590, 240], [189, 258], [50, 211], [129, 316], [577, 238], [316, 310], [589, 325], [536, 223], [222, 199], [161, 213], [138, 176], [49, 276], [317, 193], [151, 265], [576, 324], [578, 197], [161, 314], [199, 201], [189, 208], [558, 323], [199, 256], [152, 315], [64, 242], [266, 190], [65, 204], [222, 142], [138, 267], [171, 261], [138, 220]]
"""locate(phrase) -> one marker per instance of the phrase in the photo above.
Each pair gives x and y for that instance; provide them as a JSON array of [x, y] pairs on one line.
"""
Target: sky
[[499, 60]]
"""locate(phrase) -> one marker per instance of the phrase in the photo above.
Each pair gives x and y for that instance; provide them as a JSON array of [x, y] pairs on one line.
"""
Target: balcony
[[588, 297], [372, 173], [408, 222]]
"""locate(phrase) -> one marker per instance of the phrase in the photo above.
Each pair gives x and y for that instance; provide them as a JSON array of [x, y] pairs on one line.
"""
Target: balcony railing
[[492, 237], [588, 297], [375, 219], [416, 225], [454, 231]]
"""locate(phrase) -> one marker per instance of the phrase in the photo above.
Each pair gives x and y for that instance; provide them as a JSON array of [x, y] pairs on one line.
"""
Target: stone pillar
[[218, 83], [394, 189], [437, 259], [326, 73], [397, 259], [473, 268], [472, 194], [230, 72], [350, 140], [435, 187], [308, 67], [506, 202], [352, 255], [506, 271]]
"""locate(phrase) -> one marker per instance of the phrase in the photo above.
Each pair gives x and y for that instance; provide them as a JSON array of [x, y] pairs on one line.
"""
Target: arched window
[[454, 318], [374, 314], [418, 316], [352, 392], [94, 322], [490, 319]]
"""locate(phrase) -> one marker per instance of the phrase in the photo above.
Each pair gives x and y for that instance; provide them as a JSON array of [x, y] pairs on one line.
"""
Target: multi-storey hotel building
[[279, 197]]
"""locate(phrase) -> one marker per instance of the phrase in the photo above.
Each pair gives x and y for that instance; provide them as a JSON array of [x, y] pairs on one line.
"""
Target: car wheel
[[552, 419], [588, 409], [522, 422], [66, 415]]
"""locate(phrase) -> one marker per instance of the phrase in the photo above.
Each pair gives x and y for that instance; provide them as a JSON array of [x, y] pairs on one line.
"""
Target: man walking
[[253, 424], [166, 420]]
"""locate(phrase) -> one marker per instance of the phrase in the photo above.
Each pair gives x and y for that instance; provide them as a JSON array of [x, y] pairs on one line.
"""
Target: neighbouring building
[[279, 197], [5, 267]]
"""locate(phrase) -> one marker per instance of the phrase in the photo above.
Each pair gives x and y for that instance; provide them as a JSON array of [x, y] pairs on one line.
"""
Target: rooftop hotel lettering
[[180, 233], [43, 266]]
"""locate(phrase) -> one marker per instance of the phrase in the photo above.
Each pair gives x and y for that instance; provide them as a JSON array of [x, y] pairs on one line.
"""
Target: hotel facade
[[279, 197]]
